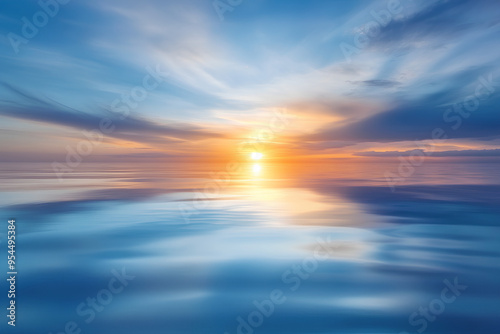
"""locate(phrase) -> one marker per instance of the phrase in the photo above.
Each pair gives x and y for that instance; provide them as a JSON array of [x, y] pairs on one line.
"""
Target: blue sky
[[356, 76]]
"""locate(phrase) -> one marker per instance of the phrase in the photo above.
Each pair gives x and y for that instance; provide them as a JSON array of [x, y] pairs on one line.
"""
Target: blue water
[[323, 249]]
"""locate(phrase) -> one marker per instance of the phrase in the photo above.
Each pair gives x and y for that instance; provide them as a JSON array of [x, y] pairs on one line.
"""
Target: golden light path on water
[[256, 169]]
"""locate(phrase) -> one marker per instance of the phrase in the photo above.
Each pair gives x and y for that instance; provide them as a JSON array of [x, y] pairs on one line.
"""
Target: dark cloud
[[462, 153], [416, 119], [326, 145], [377, 83], [127, 127]]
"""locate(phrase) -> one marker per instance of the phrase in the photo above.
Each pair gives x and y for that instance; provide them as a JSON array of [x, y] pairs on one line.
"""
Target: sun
[[256, 155]]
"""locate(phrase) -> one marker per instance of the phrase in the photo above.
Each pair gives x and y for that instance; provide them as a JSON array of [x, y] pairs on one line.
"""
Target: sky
[[195, 80]]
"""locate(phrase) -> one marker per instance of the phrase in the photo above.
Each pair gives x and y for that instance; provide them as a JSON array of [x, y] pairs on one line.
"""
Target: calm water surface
[[338, 251]]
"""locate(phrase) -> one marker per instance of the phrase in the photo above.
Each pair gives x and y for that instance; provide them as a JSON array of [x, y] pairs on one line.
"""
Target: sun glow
[[256, 168], [256, 155]]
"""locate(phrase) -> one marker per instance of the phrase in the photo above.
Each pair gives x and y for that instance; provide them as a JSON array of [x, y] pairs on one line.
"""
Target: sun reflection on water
[[256, 169]]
